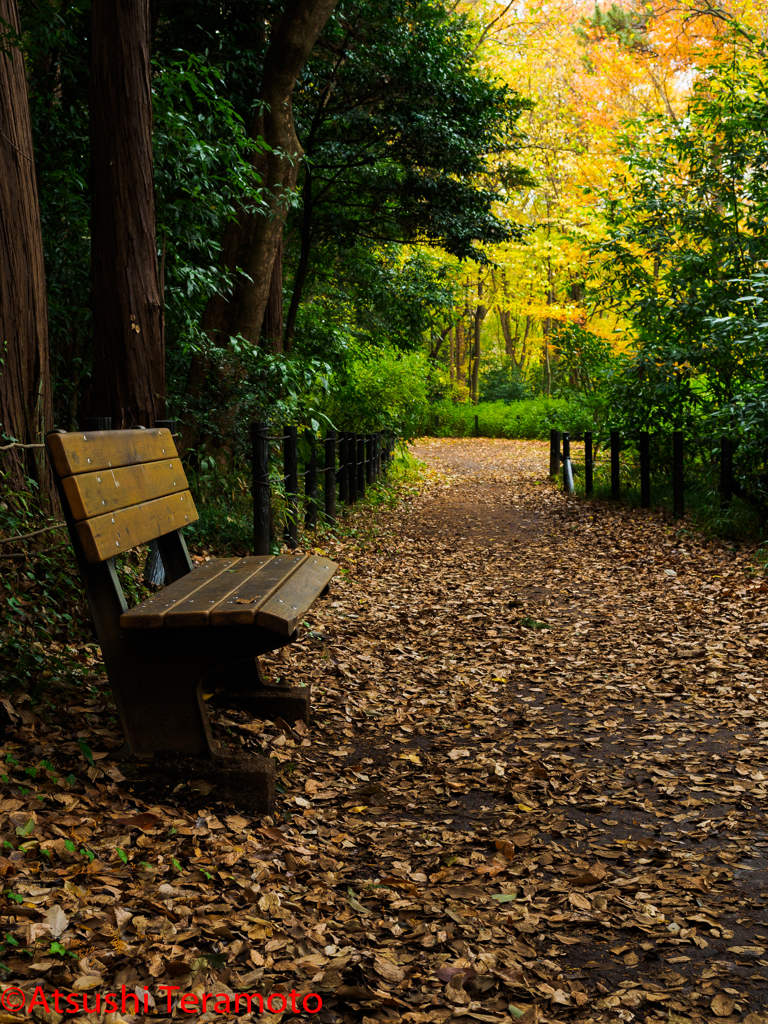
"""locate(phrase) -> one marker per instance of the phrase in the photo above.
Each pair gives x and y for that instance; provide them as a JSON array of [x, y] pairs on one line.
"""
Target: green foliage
[[684, 255], [532, 418], [54, 42], [203, 174], [380, 296], [502, 382], [628, 25], [380, 389], [399, 123]]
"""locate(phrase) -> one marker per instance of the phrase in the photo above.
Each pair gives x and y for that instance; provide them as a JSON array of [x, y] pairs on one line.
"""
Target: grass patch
[[531, 418]]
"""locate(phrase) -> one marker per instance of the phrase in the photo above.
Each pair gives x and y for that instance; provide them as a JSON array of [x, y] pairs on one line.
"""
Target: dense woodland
[[375, 217], [338, 215]]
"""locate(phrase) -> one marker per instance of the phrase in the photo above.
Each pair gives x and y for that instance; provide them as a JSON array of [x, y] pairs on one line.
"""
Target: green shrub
[[502, 384], [380, 389]]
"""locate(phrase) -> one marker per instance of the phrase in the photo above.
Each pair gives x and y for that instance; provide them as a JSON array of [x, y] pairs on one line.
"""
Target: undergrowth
[[530, 418], [737, 521]]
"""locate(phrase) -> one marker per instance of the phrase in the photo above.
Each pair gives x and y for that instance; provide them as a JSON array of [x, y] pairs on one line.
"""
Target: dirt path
[[534, 789]]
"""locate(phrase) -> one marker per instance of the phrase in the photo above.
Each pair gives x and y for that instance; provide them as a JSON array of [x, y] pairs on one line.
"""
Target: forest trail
[[536, 778]]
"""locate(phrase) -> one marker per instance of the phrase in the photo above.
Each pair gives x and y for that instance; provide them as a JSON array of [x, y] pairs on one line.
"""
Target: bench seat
[[274, 593]]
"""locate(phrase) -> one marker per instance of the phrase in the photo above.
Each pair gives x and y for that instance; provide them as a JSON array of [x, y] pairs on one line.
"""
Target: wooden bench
[[123, 488]]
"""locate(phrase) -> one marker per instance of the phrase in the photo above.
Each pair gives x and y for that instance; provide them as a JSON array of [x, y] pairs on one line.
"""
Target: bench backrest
[[123, 487]]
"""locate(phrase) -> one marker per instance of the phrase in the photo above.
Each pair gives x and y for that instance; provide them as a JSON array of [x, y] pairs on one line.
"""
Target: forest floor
[[534, 787]]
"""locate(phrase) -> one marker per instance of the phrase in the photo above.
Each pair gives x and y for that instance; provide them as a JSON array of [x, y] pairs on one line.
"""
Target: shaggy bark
[[128, 381], [25, 386]]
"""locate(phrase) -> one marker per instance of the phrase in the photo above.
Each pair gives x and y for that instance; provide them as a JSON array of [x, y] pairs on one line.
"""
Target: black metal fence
[[351, 463], [560, 459]]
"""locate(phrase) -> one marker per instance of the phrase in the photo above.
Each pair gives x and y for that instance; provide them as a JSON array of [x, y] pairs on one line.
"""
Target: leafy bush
[[380, 389], [502, 383]]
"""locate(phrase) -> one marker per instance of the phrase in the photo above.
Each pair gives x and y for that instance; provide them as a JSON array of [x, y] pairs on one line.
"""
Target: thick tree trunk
[[272, 327], [505, 319], [25, 385], [128, 381]]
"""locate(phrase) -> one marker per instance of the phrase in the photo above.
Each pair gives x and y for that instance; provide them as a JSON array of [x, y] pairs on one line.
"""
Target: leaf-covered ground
[[534, 787]]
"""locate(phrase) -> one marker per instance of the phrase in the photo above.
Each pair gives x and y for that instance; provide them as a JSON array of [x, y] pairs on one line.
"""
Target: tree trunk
[[252, 240], [128, 381], [272, 328], [460, 350], [303, 267], [25, 385], [480, 312], [505, 318]]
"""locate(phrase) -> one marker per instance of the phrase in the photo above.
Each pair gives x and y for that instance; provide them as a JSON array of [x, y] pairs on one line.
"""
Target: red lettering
[[130, 995], [110, 1002], [250, 997], [38, 999], [294, 1007], [271, 1008], [312, 995], [224, 1007], [168, 989], [72, 1003], [56, 996], [190, 1009], [89, 1009], [146, 999]]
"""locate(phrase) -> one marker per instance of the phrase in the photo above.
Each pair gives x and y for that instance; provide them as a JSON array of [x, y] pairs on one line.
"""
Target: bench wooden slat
[[94, 494], [283, 611], [79, 452], [151, 612], [240, 607], [110, 534], [196, 609]]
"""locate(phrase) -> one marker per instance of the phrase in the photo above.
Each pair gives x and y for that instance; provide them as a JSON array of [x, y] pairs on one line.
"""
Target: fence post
[[291, 478], [352, 464], [567, 468], [330, 476], [361, 466], [554, 453], [369, 459], [645, 470], [726, 471], [343, 473], [386, 456], [615, 478], [310, 482], [260, 487], [588, 462], [477, 425], [678, 500]]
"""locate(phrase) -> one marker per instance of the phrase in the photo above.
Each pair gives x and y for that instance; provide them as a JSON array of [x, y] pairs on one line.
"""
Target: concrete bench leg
[[243, 779], [248, 690]]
